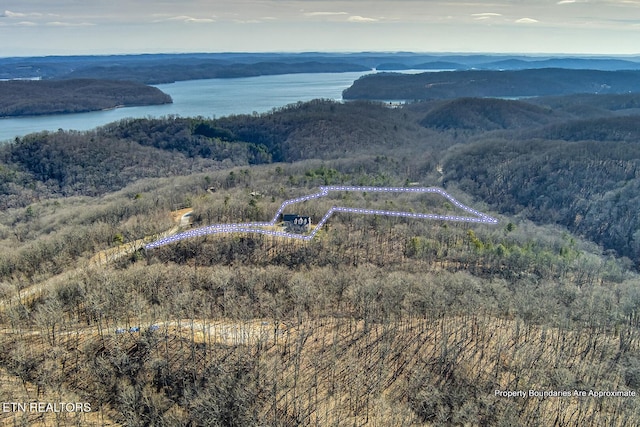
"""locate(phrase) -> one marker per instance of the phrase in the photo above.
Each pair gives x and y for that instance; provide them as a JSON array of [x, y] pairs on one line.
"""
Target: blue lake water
[[207, 98]]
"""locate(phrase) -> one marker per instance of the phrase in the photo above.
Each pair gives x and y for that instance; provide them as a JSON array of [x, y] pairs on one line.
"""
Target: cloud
[[69, 24], [358, 18], [487, 14], [526, 21], [9, 14], [325, 13], [188, 19], [26, 24], [484, 16], [200, 20], [566, 1]]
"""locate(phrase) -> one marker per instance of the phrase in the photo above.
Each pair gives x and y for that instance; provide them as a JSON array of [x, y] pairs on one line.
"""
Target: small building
[[297, 224]]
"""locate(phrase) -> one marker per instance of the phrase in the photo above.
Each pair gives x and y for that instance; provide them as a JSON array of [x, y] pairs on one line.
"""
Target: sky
[[66, 27]]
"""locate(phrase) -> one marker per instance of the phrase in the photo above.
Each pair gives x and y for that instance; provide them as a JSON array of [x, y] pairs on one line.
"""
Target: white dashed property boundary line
[[255, 227]]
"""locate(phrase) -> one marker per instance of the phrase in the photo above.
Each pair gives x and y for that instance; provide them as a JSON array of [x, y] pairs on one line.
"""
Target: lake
[[207, 98]]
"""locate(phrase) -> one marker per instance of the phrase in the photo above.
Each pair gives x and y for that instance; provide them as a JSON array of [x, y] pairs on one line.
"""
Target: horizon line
[[333, 52]]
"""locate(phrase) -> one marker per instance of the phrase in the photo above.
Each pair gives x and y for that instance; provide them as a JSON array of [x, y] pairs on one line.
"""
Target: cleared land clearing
[[28, 294]]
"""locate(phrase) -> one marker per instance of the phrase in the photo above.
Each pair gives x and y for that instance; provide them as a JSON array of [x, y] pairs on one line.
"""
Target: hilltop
[[481, 114]]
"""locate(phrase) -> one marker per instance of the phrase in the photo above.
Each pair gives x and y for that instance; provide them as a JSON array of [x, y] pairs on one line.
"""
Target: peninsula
[[40, 97]]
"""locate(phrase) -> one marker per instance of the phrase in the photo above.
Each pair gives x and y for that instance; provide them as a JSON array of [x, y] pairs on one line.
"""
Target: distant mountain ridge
[[156, 68], [172, 72], [568, 63]]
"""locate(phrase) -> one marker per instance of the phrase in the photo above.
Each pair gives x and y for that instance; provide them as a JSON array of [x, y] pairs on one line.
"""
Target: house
[[297, 224]]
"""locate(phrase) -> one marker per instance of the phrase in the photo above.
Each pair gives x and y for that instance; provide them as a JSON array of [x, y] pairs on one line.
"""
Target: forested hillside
[[482, 83], [38, 97], [625, 128], [531, 170], [590, 187], [376, 321], [484, 114], [96, 162], [317, 129]]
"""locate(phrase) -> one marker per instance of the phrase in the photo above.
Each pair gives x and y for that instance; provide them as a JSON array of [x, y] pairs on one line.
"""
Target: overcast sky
[[45, 27]]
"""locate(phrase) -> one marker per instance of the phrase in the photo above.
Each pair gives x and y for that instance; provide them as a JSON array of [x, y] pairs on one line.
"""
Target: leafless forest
[[376, 322]]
